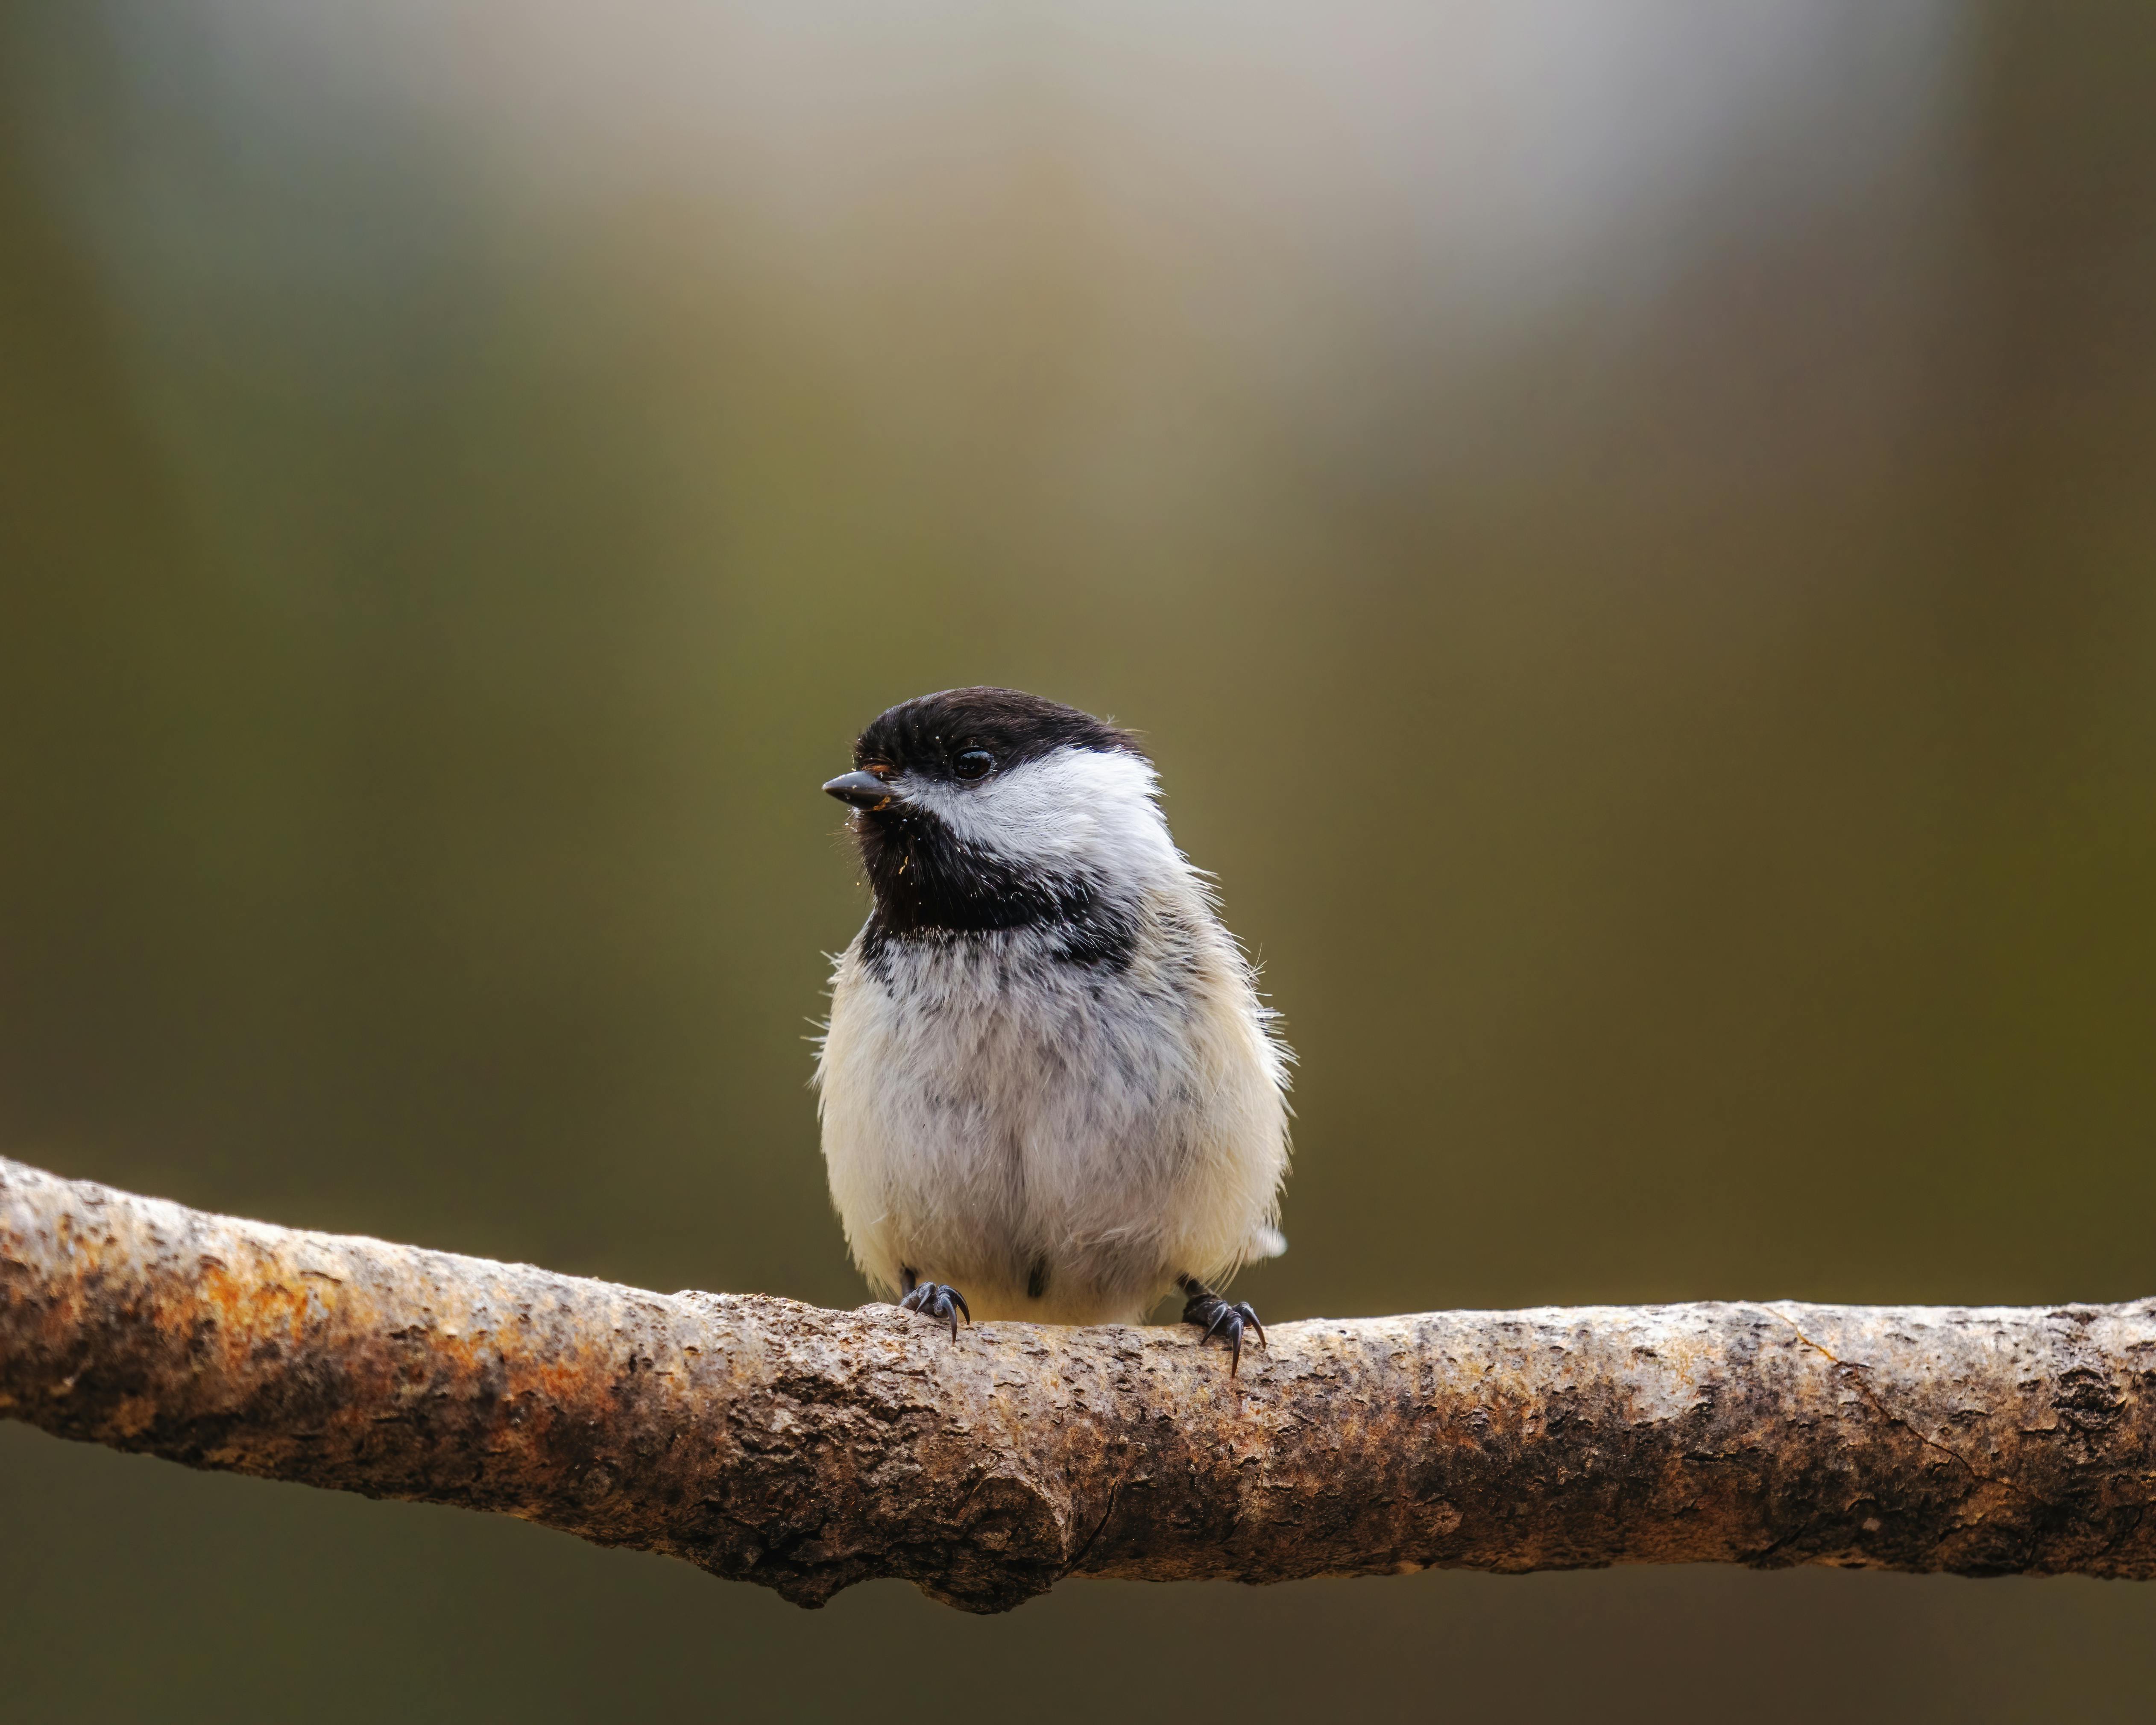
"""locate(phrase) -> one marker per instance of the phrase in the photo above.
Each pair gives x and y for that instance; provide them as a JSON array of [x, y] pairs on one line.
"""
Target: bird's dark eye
[[973, 763]]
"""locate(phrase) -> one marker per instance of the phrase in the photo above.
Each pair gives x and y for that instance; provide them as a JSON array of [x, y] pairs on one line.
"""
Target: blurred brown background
[[1630, 527]]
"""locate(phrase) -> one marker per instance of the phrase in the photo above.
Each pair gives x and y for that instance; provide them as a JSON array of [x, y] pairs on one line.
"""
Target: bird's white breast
[[1005, 1119]]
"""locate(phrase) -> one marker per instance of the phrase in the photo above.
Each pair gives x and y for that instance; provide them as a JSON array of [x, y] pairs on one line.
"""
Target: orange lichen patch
[[249, 1307]]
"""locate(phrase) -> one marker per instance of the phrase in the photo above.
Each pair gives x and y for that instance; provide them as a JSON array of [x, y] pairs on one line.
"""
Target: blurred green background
[[1630, 528]]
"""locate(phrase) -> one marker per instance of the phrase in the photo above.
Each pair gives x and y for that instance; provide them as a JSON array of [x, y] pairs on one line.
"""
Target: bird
[[1049, 1087]]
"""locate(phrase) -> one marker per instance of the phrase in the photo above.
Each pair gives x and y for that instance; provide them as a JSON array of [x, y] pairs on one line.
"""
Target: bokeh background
[[1630, 526]]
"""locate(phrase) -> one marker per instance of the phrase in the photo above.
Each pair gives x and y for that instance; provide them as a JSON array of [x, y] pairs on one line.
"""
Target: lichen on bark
[[808, 1450]]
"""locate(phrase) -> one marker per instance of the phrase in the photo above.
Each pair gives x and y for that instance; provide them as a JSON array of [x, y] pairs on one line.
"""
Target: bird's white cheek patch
[[1075, 809]]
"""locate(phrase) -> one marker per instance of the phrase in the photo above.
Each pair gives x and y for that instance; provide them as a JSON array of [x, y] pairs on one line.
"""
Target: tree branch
[[807, 1450]]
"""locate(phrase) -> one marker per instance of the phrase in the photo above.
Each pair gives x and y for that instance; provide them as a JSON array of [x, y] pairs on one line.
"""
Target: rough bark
[[807, 1450]]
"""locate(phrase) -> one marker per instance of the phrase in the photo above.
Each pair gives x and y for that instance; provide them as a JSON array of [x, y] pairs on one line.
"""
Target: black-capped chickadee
[[1048, 1079]]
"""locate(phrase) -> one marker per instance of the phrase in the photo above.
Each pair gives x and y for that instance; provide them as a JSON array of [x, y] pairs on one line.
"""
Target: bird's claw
[[940, 1302], [1215, 1316]]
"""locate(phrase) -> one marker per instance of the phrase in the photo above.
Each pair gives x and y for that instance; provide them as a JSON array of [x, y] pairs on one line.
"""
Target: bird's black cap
[[927, 733]]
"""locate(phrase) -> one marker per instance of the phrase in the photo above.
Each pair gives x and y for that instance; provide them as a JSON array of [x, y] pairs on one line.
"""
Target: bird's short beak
[[862, 790]]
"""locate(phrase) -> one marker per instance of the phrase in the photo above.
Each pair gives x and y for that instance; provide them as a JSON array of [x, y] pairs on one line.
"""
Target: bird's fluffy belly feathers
[[1058, 1139]]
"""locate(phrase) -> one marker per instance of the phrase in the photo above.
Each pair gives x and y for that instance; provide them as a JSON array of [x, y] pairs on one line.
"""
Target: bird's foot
[[935, 1300], [1214, 1317]]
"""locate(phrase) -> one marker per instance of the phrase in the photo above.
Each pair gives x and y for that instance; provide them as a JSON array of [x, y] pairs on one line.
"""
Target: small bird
[[1048, 1079]]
